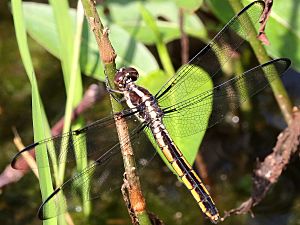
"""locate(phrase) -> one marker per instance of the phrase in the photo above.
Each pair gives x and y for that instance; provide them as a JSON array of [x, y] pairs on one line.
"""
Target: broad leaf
[[191, 5], [127, 15], [41, 27]]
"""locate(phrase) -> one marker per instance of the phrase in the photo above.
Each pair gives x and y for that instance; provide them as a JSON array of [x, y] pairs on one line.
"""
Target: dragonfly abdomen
[[186, 173]]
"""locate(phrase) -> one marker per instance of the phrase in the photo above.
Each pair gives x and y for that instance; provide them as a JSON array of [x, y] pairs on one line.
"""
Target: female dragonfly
[[177, 104]]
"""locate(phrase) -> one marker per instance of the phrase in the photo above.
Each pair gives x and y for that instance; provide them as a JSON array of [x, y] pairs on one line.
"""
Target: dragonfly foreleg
[[114, 92]]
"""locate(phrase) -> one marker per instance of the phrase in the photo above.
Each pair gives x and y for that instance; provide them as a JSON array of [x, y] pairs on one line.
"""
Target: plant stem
[[108, 56], [246, 106], [184, 40], [160, 45], [279, 91]]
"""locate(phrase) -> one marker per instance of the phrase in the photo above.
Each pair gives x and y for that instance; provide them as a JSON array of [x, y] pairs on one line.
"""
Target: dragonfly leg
[[113, 92]]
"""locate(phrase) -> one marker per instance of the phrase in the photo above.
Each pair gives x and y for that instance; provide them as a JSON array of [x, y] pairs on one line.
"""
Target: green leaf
[[153, 81], [41, 131], [191, 5], [63, 24], [189, 145], [128, 16], [40, 124], [282, 30], [41, 27]]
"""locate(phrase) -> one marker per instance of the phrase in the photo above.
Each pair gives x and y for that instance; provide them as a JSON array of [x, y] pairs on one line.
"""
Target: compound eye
[[132, 73], [119, 77]]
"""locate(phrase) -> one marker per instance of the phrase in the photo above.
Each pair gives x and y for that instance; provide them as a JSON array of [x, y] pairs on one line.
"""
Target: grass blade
[[38, 113]]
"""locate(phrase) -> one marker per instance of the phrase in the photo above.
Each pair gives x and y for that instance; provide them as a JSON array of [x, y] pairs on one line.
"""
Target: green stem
[[279, 91], [165, 58], [160, 45], [73, 92], [246, 106], [108, 57]]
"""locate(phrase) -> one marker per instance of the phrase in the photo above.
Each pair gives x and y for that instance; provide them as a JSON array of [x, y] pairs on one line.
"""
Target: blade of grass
[[38, 113], [81, 161], [65, 30], [67, 48], [41, 151], [70, 51]]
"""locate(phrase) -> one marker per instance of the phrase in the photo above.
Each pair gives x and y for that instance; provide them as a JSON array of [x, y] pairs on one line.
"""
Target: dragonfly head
[[125, 76]]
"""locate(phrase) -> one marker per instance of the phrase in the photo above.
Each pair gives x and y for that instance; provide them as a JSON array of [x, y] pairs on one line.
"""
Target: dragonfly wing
[[102, 176], [187, 81], [63, 147], [78, 188], [181, 118]]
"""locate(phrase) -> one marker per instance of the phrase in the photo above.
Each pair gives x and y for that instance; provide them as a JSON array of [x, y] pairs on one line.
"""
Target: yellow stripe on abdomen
[[188, 176]]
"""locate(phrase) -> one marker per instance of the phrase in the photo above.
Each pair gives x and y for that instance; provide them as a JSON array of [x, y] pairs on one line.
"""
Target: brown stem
[[108, 56], [263, 21]]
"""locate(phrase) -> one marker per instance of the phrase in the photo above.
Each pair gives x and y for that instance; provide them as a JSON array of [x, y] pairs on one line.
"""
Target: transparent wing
[[187, 81], [181, 118], [102, 176], [96, 137]]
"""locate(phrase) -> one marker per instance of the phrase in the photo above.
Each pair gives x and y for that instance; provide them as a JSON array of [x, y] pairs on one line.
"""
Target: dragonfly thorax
[[141, 99], [137, 97]]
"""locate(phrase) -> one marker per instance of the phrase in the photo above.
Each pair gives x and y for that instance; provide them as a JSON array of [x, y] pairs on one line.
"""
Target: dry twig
[[269, 171], [263, 21]]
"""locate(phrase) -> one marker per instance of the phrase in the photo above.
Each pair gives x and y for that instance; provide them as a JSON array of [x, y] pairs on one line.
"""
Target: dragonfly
[[178, 104]]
